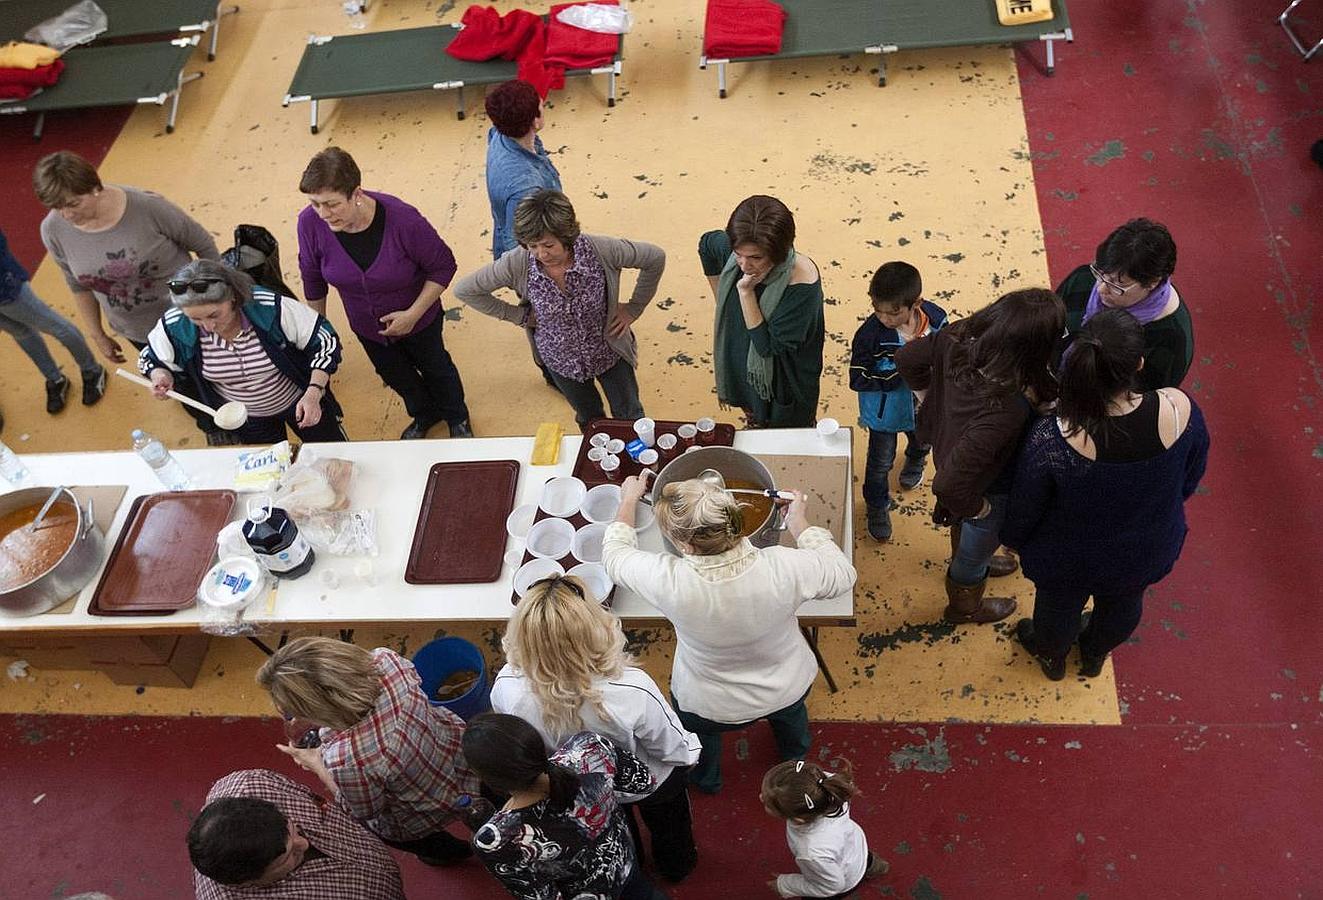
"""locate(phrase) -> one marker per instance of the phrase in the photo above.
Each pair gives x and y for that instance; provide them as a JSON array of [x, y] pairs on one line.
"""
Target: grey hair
[[703, 515], [233, 285]]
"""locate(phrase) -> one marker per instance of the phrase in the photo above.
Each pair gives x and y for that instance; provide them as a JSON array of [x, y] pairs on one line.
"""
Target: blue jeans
[[27, 316], [881, 457], [979, 540]]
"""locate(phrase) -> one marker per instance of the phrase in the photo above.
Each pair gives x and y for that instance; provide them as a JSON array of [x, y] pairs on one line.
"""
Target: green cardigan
[[793, 338], [1168, 342]]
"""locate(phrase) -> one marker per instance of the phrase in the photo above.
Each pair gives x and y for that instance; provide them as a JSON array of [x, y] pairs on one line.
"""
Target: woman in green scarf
[[769, 323]]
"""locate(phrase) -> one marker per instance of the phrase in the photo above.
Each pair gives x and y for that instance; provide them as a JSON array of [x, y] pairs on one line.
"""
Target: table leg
[[312, 124], [811, 635], [347, 635]]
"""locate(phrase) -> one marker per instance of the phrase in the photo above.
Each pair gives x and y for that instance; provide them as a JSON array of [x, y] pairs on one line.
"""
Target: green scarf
[[758, 368]]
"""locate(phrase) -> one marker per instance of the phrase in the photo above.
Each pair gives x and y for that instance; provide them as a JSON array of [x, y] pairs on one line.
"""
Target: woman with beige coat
[[569, 285]]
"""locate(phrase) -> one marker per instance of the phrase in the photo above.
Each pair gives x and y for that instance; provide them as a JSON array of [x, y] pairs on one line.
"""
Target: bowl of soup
[[42, 567]]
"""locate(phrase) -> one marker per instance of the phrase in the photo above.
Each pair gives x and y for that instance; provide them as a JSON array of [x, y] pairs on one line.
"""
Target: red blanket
[[738, 28], [20, 84], [578, 48], [520, 35]]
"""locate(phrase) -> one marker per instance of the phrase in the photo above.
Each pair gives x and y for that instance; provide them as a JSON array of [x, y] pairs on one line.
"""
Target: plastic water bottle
[[11, 467], [162, 461]]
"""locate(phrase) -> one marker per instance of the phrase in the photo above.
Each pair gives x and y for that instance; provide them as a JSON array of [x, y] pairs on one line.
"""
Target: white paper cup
[[611, 467], [596, 454], [648, 457], [562, 496], [534, 571], [615, 446], [666, 442], [646, 429], [587, 543], [827, 428], [514, 556], [599, 440], [594, 576], [520, 520], [550, 538], [601, 503]]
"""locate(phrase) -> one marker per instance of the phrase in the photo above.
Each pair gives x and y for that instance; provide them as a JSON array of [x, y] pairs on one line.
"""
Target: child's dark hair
[[798, 789], [508, 755], [1102, 362], [896, 284]]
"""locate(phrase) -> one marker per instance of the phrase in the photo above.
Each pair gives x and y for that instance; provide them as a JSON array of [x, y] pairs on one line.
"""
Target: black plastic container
[[276, 540]]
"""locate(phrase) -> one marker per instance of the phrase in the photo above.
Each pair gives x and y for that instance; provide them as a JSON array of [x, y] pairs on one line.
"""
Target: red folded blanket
[[520, 35], [738, 28], [578, 48], [20, 84]]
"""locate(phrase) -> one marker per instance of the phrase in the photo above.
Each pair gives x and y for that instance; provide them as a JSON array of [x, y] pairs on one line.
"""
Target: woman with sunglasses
[[239, 342], [567, 671], [116, 247], [1132, 271]]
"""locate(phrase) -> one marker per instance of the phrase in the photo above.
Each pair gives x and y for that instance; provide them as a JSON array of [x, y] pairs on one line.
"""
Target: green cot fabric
[[956, 23], [116, 75], [1168, 342], [793, 339], [124, 18]]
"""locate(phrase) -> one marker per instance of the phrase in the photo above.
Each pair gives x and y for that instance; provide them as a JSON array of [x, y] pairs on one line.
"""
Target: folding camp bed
[[125, 19], [409, 59], [1284, 20], [115, 75], [816, 28]]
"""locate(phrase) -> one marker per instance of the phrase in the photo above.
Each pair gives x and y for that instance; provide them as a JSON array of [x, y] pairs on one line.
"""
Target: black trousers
[[439, 847], [271, 429], [1057, 608], [419, 368], [670, 822]]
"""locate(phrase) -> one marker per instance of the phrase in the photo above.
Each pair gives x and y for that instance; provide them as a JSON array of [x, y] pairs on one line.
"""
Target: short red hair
[[513, 107]]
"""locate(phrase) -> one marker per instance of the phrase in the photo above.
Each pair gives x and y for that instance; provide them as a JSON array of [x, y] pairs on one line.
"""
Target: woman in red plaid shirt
[[391, 758]]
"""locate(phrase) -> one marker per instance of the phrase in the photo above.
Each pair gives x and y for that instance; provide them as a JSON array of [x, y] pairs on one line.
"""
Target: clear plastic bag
[[350, 532], [598, 17], [78, 24], [314, 485]]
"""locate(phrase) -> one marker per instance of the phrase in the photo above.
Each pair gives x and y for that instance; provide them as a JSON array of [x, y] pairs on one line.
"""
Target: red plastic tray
[[166, 547], [591, 474], [460, 536]]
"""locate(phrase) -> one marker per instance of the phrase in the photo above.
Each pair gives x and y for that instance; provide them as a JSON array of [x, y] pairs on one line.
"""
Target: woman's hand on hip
[[309, 410], [162, 381], [620, 321]]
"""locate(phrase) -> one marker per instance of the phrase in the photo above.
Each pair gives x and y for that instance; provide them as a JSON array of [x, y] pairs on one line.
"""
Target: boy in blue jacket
[[886, 404]]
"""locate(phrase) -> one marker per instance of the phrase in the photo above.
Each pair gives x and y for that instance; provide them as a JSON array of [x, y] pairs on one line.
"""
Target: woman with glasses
[[739, 655], [1132, 271], [116, 247], [243, 343], [567, 671]]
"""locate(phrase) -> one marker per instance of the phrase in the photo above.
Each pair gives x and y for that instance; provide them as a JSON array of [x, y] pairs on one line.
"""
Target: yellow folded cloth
[[17, 55], [546, 444], [1023, 12]]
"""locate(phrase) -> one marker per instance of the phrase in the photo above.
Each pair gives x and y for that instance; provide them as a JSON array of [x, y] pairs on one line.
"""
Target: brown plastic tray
[[568, 561], [460, 535], [166, 547], [591, 474]]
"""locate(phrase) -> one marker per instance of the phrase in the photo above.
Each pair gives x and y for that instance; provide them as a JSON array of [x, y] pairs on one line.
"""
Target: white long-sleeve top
[[832, 855], [739, 652], [641, 721]]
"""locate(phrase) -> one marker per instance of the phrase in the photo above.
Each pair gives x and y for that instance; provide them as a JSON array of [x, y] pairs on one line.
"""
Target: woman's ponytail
[[1100, 366]]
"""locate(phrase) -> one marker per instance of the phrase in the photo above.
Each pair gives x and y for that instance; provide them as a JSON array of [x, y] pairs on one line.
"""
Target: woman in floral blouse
[[561, 833], [571, 282]]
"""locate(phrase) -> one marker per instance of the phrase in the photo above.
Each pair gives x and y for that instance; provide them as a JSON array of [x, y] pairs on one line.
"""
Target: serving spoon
[[230, 416]]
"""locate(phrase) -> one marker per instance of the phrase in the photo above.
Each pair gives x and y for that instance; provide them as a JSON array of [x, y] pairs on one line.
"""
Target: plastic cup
[[707, 431], [550, 538], [520, 520], [615, 446], [646, 429], [561, 496], [611, 467], [514, 556], [827, 429], [365, 572], [587, 543], [649, 458], [601, 503], [595, 454], [600, 439], [686, 434], [594, 576], [534, 571]]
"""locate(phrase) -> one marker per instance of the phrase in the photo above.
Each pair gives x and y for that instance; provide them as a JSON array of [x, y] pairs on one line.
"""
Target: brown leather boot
[[1000, 565], [968, 605]]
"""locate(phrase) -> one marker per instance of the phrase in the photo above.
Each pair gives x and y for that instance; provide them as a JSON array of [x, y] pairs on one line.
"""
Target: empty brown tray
[[460, 536], [591, 474], [166, 547]]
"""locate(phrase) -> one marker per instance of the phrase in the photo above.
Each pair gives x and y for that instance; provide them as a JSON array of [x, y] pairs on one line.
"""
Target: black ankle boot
[[1054, 669]]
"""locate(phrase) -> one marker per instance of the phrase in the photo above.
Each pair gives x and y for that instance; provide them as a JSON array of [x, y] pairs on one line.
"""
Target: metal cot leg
[[611, 87], [174, 99], [312, 124], [882, 71], [1051, 56], [215, 28], [459, 100], [721, 80], [39, 127]]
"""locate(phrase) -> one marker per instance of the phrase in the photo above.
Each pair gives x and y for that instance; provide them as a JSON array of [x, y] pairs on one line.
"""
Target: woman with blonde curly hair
[[568, 672], [739, 654]]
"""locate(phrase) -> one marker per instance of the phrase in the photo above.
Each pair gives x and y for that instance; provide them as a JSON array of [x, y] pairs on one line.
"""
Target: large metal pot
[[70, 574], [734, 465]]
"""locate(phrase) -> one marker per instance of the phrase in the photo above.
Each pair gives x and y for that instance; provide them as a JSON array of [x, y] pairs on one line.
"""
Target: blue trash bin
[[439, 659]]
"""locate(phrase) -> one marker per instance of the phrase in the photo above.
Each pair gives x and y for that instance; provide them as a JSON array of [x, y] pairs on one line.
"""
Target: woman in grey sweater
[[570, 285]]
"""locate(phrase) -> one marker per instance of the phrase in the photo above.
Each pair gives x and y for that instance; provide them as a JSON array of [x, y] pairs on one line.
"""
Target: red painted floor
[[1190, 112]]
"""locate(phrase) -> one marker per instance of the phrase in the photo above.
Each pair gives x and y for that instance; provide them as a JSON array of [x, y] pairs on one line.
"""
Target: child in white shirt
[[829, 847]]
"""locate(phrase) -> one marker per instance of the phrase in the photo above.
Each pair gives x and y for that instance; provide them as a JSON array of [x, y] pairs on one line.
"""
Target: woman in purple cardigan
[[390, 267]]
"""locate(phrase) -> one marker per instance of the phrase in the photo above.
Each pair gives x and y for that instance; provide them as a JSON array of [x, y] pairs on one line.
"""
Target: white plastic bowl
[[533, 571], [562, 496], [601, 503], [519, 521], [232, 584], [587, 544], [595, 577], [550, 538]]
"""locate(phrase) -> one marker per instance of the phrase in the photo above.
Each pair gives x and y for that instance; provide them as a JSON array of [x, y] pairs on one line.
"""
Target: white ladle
[[230, 416]]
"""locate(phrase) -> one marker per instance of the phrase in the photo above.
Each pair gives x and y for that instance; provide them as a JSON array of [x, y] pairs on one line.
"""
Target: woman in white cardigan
[[567, 672], [740, 655]]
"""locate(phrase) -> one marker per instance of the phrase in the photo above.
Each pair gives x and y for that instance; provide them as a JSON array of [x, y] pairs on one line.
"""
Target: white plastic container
[[587, 543], [232, 584], [595, 577], [562, 496], [550, 538], [520, 520], [533, 571], [601, 503]]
